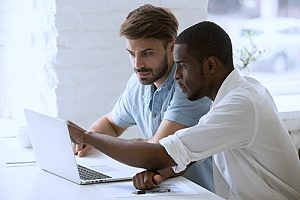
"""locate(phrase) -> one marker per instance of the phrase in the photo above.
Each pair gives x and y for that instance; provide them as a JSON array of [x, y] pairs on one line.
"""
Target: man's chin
[[188, 96], [192, 97], [145, 81], [183, 89]]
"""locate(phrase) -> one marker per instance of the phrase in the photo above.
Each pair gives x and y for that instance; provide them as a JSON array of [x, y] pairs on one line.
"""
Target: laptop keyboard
[[88, 174]]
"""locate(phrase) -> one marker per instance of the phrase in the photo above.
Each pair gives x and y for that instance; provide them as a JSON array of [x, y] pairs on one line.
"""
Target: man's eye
[[131, 54], [182, 66], [147, 53]]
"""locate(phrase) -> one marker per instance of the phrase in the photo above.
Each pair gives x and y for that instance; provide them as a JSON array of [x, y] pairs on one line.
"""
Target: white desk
[[31, 183]]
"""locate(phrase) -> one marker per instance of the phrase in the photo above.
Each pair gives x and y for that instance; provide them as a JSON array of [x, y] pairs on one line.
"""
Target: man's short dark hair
[[207, 39], [149, 21]]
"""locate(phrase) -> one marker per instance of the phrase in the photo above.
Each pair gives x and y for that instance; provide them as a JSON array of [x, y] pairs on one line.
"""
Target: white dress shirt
[[250, 145]]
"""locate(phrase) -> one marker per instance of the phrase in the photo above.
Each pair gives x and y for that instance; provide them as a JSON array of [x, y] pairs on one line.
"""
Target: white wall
[[27, 46], [92, 64]]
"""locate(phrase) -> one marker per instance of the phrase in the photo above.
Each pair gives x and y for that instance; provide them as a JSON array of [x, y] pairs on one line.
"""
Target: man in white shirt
[[243, 132]]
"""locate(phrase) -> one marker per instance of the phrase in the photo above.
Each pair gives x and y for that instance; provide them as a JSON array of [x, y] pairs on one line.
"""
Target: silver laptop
[[53, 150]]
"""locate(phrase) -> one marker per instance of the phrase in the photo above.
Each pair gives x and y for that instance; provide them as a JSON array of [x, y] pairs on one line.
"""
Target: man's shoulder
[[133, 78], [180, 98], [133, 81], [134, 87], [249, 90]]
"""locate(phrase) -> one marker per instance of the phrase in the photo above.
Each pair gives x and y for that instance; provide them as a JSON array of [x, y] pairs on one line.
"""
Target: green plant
[[247, 55]]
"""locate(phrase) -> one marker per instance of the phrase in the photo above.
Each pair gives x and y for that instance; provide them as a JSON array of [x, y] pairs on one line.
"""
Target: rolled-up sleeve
[[230, 125], [178, 151]]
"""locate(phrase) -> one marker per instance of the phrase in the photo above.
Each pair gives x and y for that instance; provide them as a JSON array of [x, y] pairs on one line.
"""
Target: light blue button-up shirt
[[146, 107]]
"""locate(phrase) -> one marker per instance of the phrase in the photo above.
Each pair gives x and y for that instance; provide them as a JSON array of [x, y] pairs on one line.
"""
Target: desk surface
[[32, 183]]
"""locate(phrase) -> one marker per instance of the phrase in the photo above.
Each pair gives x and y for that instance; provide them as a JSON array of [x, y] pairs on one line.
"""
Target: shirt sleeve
[[178, 151], [184, 111], [230, 125], [122, 110]]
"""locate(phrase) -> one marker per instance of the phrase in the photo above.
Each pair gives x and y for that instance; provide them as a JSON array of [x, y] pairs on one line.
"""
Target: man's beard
[[198, 94], [156, 75]]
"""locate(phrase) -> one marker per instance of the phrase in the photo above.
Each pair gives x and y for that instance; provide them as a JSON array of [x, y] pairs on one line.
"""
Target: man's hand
[[82, 149], [147, 180], [77, 135]]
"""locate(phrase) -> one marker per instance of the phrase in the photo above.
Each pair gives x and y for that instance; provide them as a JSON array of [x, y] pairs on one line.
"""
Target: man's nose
[[176, 74], [138, 62]]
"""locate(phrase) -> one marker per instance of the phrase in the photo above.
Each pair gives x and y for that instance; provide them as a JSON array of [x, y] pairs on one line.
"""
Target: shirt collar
[[170, 79], [229, 82]]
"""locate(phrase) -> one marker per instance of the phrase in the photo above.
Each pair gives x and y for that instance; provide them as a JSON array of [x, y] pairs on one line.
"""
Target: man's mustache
[[142, 70]]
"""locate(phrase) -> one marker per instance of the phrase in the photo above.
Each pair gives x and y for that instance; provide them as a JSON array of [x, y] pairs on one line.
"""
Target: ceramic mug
[[24, 137]]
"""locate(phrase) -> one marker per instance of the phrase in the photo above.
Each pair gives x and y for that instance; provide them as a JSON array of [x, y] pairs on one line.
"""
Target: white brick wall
[[27, 46], [92, 64]]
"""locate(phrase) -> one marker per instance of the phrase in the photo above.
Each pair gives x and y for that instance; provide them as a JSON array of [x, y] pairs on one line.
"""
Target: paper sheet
[[177, 186], [12, 154]]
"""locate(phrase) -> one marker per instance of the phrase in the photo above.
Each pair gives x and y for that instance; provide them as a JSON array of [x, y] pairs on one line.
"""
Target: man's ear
[[213, 63], [171, 46]]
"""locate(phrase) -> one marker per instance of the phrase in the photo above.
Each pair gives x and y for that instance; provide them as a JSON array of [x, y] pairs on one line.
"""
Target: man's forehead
[[180, 50], [142, 44]]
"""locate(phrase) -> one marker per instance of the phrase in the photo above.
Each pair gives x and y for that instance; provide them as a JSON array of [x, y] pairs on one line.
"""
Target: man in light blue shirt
[[152, 99], [146, 107]]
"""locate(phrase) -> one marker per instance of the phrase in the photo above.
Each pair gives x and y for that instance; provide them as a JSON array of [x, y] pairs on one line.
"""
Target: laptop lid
[[52, 147]]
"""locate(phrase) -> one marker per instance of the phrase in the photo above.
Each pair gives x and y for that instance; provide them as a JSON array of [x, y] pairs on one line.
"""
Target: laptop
[[53, 150]]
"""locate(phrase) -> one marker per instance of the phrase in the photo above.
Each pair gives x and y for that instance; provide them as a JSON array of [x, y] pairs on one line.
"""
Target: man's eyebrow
[[144, 50], [149, 49], [128, 50]]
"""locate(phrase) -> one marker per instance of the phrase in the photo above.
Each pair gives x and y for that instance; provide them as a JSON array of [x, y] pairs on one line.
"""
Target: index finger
[[75, 126], [77, 148]]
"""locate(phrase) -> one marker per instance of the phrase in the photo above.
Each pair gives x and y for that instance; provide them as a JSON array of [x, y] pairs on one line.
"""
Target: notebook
[[53, 150]]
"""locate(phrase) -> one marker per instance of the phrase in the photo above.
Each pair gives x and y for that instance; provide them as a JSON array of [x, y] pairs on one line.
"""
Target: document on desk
[[170, 187], [12, 154]]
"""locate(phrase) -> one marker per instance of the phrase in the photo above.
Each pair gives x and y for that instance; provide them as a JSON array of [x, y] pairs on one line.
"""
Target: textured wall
[[27, 48], [92, 64]]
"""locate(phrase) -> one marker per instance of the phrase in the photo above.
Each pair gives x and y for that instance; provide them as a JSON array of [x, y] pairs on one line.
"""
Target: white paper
[[12, 154], [177, 186]]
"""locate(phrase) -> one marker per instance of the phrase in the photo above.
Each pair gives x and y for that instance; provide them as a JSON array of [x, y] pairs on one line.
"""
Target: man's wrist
[[85, 135]]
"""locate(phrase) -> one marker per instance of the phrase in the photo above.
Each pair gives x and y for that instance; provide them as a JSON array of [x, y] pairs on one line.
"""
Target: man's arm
[[106, 126], [146, 180], [166, 128], [131, 152], [103, 125]]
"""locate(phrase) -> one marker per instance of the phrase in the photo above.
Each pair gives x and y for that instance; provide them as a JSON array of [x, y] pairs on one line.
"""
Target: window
[[270, 30]]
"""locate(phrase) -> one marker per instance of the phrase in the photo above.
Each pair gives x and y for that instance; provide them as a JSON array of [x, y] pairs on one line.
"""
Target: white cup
[[23, 136]]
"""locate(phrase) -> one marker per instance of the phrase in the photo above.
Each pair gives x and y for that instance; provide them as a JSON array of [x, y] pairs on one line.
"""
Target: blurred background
[[65, 57], [266, 39]]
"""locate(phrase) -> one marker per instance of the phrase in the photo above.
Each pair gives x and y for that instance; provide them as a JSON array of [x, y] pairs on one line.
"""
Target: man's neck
[[158, 83], [219, 83]]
